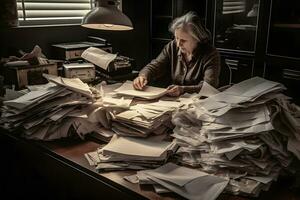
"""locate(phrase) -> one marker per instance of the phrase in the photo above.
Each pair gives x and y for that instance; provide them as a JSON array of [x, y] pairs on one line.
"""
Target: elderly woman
[[188, 60]]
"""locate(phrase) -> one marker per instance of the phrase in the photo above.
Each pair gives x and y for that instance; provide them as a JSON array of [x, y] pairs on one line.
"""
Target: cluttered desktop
[[237, 141]]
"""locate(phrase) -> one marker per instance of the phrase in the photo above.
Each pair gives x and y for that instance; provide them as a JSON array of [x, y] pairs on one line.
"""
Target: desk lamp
[[106, 16]]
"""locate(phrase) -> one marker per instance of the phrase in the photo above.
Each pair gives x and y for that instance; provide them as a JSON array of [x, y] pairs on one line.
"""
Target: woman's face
[[185, 41]]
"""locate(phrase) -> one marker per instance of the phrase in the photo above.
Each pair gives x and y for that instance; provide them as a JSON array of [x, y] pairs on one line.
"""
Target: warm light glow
[[107, 16], [107, 27]]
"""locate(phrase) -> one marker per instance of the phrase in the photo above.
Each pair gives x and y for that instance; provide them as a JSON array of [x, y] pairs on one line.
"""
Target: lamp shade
[[106, 16]]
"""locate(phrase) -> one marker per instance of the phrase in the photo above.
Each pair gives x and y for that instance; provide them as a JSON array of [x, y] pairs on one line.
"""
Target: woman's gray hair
[[191, 23]]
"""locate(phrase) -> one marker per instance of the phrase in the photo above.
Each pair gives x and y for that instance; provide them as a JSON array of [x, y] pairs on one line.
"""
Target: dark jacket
[[205, 65]]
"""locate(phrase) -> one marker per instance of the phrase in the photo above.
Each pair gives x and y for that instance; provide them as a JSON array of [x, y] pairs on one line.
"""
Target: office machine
[[84, 71], [72, 51], [21, 76], [108, 63]]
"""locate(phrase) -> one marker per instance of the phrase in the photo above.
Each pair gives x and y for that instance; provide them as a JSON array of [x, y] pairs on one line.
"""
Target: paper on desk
[[92, 158], [74, 84], [248, 90], [234, 124], [61, 113], [98, 57], [161, 104], [253, 129], [123, 130], [232, 154], [129, 114], [148, 111], [251, 87], [148, 93], [110, 101], [207, 90], [223, 147], [159, 189], [136, 147], [13, 94], [117, 166], [32, 98], [27, 99], [108, 89], [187, 182], [132, 178], [264, 180], [294, 146], [40, 87]]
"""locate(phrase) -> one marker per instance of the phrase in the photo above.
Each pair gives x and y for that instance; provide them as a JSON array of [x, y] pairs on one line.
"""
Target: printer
[[73, 64], [72, 51], [84, 71]]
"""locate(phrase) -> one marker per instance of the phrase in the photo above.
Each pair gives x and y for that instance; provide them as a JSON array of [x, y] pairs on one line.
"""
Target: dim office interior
[[74, 126]]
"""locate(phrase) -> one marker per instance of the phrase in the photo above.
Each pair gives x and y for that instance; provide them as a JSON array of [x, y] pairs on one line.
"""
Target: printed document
[[148, 93], [98, 57]]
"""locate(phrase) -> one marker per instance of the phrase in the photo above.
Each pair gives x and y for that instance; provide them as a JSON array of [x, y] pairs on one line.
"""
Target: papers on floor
[[250, 129], [131, 153], [148, 93]]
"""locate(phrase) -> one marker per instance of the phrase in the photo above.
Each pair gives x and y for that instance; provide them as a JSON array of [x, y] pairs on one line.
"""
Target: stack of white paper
[[53, 110], [189, 183], [134, 152], [142, 119], [243, 130]]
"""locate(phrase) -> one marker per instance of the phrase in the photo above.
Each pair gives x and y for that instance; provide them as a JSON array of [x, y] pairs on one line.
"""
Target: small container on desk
[[21, 76]]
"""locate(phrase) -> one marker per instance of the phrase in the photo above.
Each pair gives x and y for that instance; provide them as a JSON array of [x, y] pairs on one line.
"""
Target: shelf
[[283, 25], [162, 39], [235, 30]]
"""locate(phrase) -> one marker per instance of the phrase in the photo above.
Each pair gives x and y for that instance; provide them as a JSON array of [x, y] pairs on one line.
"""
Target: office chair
[[226, 73]]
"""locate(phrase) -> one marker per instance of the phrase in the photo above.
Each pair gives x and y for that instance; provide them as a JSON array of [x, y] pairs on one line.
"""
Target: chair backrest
[[226, 71]]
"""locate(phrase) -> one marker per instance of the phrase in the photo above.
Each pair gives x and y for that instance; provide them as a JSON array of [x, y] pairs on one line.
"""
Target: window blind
[[233, 6], [52, 12]]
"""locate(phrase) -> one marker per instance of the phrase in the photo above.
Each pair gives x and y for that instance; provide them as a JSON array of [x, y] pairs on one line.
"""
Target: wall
[[134, 43]]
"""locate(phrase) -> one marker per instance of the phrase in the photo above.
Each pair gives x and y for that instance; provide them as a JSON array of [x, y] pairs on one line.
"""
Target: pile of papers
[[138, 118], [131, 153], [248, 132], [187, 182], [52, 111], [142, 119]]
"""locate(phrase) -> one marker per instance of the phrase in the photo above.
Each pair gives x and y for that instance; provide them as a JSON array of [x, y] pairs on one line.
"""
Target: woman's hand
[[175, 90], [140, 82]]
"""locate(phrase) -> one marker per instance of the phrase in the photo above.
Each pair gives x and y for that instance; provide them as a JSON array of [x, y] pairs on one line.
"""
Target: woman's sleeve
[[159, 66], [212, 66]]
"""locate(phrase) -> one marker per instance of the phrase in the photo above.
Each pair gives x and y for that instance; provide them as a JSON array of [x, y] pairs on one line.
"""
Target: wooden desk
[[58, 170]]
